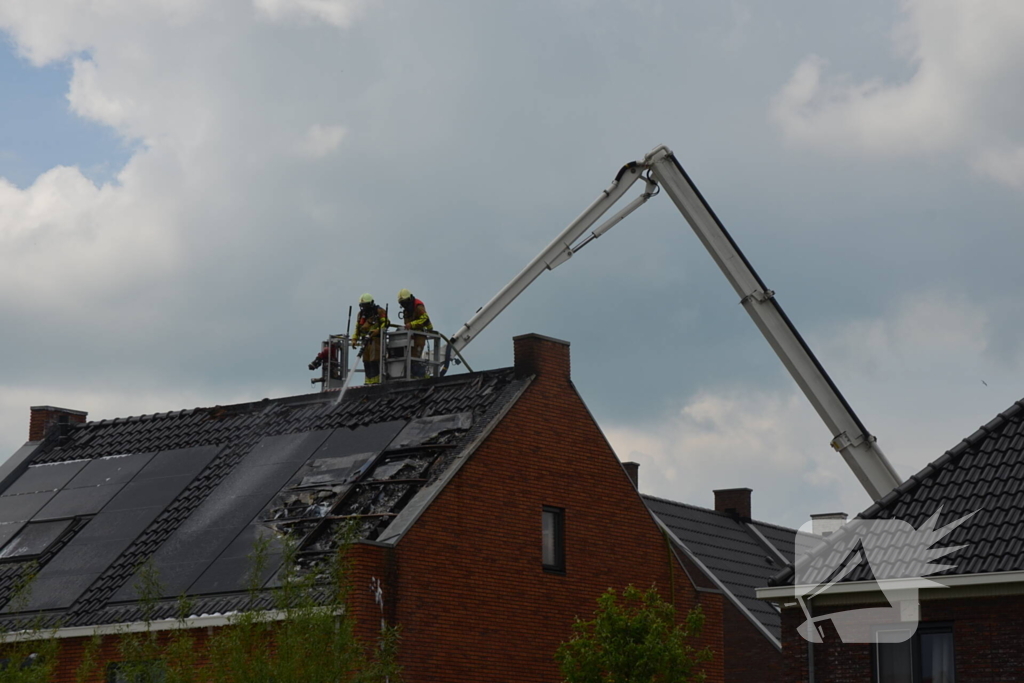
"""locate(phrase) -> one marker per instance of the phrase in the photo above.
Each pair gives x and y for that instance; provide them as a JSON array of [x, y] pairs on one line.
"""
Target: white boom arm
[[857, 446]]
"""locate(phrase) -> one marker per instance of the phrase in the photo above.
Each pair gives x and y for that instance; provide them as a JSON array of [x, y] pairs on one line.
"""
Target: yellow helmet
[[404, 294], [366, 299]]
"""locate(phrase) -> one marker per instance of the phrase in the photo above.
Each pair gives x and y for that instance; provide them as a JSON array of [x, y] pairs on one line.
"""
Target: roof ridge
[[717, 512]]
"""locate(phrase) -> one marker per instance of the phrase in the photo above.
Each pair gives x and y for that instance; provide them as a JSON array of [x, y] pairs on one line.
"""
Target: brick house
[[726, 551], [970, 631], [492, 510]]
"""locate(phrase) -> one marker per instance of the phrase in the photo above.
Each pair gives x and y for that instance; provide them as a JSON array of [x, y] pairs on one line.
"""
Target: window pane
[[895, 662], [937, 658], [549, 530]]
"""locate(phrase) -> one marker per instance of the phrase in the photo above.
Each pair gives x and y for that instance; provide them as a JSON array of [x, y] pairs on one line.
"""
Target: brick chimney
[[543, 356], [633, 470], [733, 501], [43, 417]]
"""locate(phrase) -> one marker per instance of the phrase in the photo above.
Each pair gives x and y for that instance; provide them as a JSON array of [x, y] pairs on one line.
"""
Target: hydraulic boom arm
[[660, 169]]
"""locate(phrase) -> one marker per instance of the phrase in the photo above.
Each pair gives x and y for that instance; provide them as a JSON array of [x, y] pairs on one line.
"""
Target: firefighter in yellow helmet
[[372, 319], [414, 313]]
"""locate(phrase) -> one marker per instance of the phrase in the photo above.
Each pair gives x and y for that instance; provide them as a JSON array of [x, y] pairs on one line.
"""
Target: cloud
[[960, 97], [898, 371], [340, 13], [320, 140]]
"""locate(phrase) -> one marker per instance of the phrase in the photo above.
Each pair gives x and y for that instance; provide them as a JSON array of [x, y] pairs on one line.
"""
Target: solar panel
[[233, 575], [22, 508], [116, 469], [180, 462], [76, 502], [423, 429], [34, 539], [45, 477], [8, 530], [293, 448], [55, 591], [369, 439], [143, 494]]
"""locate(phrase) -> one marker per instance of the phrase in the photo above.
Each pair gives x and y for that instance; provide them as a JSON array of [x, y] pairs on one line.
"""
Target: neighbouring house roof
[[983, 474], [741, 554], [193, 490]]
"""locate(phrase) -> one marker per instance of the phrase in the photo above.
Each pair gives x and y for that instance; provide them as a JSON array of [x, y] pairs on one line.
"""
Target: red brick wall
[[749, 657], [469, 590], [987, 641]]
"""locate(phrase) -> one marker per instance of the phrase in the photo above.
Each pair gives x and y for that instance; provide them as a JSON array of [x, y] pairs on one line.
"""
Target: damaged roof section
[[194, 491]]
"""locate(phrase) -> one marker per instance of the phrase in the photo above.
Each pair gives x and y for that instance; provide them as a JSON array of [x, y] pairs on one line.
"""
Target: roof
[[741, 554], [193, 490], [983, 474]]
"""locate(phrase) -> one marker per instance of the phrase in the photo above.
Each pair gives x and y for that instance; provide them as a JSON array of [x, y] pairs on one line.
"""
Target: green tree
[[636, 640]]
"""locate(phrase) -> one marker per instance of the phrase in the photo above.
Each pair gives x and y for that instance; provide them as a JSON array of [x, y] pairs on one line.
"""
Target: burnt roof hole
[[432, 430]]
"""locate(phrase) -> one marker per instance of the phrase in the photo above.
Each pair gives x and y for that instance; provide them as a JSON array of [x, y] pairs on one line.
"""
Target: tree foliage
[[307, 636], [634, 639]]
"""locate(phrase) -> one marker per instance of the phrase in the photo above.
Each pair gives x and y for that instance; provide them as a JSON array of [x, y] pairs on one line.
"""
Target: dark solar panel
[[143, 494], [7, 531], [118, 469], [229, 509], [54, 591], [184, 461], [293, 448], [369, 439], [22, 508], [75, 502], [233, 575], [244, 544], [424, 429], [45, 478], [34, 539]]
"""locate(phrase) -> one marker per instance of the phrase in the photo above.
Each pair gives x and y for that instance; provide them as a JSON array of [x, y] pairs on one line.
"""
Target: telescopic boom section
[[857, 446]]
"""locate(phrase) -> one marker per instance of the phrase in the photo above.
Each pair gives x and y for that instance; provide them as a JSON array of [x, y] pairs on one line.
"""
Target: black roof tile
[[982, 473], [731, 551]]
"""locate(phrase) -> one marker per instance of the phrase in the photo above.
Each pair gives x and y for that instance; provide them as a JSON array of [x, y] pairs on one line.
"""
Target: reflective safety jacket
[[416, 317], [368, 334]]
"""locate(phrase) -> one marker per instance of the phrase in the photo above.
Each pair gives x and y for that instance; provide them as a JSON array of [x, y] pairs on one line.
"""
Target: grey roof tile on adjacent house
[[193, 490], [983, 474], [731, 551]]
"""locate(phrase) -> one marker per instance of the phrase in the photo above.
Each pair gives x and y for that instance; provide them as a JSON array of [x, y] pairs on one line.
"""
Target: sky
[[192, 193]]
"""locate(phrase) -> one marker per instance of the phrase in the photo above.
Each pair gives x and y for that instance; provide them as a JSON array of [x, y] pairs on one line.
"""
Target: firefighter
[[372, 319], [414, 313]]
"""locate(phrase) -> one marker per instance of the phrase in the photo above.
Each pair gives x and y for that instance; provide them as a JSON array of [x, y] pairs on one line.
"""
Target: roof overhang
[[931, 586]]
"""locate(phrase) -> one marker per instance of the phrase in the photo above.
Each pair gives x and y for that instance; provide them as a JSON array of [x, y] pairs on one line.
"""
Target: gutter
[[985, 579], [198, 621]]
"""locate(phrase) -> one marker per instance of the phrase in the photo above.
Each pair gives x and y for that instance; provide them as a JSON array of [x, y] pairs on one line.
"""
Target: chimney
[[543, 356], [43, 417], [827, 523], [735, 502], [633, 470]]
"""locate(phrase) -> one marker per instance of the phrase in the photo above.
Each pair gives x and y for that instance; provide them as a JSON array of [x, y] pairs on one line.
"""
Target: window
[[926, 658], [150, 671], [553, 539]]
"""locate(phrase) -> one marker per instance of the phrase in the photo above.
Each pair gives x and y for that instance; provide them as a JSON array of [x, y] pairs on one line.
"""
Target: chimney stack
[[545, 357], [734, 502], [43, 417], [633, 470], [827, 523]]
